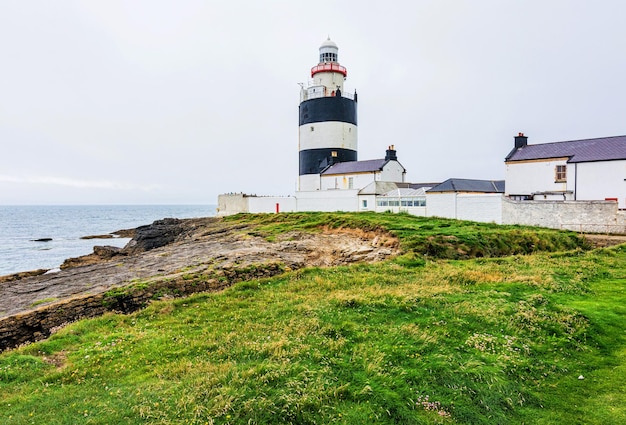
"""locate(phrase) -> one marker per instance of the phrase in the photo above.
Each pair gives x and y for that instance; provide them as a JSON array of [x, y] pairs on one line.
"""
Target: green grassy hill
[[473, 324]]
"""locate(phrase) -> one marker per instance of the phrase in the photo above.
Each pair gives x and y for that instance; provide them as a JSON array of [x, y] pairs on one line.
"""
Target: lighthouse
[[328, 119]]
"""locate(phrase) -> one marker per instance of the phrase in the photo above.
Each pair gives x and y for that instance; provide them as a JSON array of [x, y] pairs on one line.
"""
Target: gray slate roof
[[356, 167], [469, 185], [378, 188], [586, 150]]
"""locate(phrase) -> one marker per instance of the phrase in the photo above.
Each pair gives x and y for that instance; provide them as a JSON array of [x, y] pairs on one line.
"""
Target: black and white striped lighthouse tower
[[328, 119]]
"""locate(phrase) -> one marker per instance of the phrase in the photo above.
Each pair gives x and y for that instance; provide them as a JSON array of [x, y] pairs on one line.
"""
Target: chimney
[[520, 140], [390, 155]]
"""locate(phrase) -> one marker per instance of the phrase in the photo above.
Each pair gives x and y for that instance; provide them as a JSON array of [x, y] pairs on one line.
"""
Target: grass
[[43, 301], [411, 340], [426, 236]]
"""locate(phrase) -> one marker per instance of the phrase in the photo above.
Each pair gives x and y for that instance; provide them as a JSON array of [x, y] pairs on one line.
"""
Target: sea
[[42, 237]]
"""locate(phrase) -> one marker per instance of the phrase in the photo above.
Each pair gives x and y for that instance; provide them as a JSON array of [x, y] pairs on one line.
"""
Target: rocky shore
[[170, 257]]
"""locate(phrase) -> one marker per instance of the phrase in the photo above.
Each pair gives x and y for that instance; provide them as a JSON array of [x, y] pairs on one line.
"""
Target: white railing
[[317, 91]]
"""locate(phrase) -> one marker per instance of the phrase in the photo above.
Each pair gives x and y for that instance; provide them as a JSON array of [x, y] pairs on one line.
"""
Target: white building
[[331, 178], [467, 199], [578, 170], [358, 174]]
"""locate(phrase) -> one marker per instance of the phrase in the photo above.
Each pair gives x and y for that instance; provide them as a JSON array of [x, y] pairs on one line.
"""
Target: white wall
[[267, 204], [231, 203], [342, 181], [370, 200], [328, 200], [441, 204], [309, 182], [392, 172], [600, 180], [526, 177], [483, 207]]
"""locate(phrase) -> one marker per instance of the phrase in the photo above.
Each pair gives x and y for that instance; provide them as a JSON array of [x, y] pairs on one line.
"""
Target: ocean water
[[20, 226]]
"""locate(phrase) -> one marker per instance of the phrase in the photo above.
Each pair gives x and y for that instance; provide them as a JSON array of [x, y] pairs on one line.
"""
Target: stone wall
[[580, 216]]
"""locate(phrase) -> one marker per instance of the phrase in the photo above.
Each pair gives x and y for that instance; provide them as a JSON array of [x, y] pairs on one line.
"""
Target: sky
[[175, 102]]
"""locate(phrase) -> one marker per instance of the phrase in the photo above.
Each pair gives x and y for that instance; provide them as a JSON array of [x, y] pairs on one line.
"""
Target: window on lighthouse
[[328, 57]]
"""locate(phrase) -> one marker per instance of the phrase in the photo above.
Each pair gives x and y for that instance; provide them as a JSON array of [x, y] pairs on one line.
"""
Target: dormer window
[[560, 174]]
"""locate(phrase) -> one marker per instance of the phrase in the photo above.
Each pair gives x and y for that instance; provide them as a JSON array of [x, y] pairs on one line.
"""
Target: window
[[364, 203], [328, 57], [350, 182], [560, 174]]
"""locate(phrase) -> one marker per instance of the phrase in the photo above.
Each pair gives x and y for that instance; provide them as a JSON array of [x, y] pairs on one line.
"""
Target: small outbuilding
[[466, 199]]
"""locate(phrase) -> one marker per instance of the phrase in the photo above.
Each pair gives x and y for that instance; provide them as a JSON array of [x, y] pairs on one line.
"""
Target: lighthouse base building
[[331, 178]]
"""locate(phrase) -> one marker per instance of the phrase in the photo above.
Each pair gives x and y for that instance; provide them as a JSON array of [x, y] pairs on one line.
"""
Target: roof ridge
[[577, 140]]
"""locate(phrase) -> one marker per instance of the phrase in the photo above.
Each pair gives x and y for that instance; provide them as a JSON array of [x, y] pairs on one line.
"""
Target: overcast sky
[[150, 102]]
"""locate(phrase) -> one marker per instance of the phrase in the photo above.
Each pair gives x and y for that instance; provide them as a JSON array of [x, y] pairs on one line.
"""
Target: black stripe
[[313, 161], [331, 108]]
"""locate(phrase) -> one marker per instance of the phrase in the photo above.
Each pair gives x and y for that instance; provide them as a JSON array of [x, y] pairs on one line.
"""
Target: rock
[[21, 275], [155, 235], [107, 251], [125, 233], [107, 236], [100, 254], [41, 240]]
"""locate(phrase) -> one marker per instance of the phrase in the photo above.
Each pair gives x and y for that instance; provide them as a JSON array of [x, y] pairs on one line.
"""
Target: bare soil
[[603, 241]]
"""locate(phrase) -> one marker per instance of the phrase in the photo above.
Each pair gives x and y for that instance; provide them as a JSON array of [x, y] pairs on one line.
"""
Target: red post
[[277, 207]]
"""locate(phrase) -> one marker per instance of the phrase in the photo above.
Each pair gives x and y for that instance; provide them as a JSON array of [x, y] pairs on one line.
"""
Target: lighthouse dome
[[329, 43], [328, 51]]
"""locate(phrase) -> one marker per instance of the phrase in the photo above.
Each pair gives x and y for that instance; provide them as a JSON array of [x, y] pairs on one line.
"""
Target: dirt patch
[[57, 360], [603, 241]]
